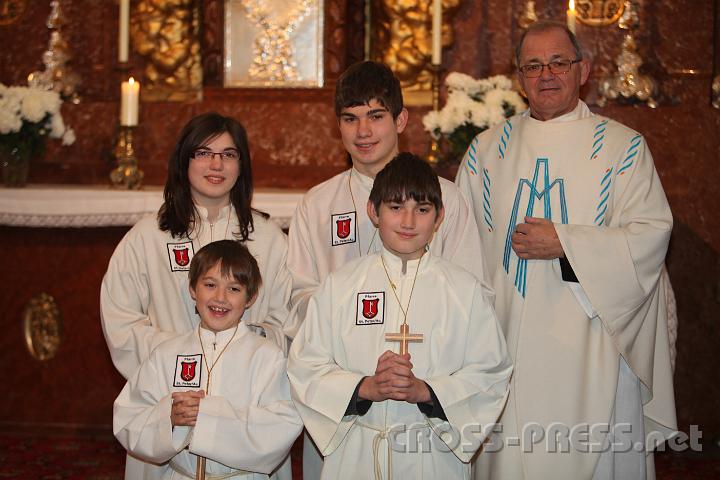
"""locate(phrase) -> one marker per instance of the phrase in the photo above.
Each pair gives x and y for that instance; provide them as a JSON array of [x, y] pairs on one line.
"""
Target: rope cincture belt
[[209, 476], [380, 435]]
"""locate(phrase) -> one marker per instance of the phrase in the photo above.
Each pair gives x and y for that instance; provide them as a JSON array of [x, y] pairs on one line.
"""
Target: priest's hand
[[185, 408], [536, 239], [390, 379]]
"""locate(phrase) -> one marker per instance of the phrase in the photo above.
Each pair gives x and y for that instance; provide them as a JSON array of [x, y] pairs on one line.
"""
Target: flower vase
[[15, 168]]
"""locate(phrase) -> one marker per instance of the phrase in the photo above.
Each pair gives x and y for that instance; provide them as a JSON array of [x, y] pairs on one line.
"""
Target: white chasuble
[[462, 357], [595, 179], [246, 424]]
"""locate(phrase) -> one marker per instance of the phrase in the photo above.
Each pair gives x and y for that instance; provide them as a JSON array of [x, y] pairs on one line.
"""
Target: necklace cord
[[393, 288], [210, 367], [357, 223]]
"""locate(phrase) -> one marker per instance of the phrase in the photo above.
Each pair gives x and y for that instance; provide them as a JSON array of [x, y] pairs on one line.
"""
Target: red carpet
[[97, 456]]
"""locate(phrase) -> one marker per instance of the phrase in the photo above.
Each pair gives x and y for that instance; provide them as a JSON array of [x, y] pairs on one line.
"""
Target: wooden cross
[[404, 337]]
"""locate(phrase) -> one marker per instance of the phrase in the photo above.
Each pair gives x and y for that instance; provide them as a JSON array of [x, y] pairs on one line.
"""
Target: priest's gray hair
[[544, 26]]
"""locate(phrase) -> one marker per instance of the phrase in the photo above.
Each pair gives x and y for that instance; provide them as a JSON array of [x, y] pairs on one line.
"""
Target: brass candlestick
[[126, 174], [433, 156]]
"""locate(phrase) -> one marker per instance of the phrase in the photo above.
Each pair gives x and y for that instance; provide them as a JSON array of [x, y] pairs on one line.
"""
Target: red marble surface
[[294, 143]]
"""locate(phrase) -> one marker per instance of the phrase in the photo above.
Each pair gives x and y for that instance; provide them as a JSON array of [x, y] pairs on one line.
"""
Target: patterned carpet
[[97, 456]]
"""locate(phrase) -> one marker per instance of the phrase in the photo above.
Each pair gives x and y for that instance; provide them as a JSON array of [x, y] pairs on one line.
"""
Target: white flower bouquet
[[27, 116], [472, 106]]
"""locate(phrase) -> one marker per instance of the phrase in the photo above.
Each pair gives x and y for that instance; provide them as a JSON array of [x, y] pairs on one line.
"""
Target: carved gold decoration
[[57, 74], [42, 326], [401, 37], [126, 174], [716, 92], [599, 13], [528, 15], [166, 34], [11, 11], [627, 83]]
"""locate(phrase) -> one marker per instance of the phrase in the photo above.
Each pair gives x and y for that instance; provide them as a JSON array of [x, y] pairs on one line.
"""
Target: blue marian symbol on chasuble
[[544, 195]]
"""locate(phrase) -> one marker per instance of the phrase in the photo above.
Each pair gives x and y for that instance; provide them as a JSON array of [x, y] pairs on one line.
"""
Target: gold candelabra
[[126, 174], [434, 154]]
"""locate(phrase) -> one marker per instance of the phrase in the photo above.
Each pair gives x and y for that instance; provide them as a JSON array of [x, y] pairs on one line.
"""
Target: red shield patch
[[343, 228], [188, 370], [370, 307], [181, 256]]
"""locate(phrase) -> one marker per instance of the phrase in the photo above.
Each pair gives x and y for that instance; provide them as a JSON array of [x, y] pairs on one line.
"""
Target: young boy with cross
[[215, 400], [354, 393]]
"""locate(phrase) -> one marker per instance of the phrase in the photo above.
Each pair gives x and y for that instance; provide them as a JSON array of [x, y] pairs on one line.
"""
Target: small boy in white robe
[[217, 395], [375, 413]]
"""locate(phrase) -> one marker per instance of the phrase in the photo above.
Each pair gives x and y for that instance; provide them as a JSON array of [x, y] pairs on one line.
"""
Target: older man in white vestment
[[575, 226]]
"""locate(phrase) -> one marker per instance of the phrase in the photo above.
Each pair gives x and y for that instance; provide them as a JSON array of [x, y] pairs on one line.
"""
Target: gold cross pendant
[[404, 337]]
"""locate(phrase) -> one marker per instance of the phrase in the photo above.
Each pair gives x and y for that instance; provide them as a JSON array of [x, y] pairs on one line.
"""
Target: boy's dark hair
[[366, 81], [235, 260], [407, 176], [178, 212]]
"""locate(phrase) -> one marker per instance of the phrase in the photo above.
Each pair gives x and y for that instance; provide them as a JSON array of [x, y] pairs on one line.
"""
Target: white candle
[[123, 36], [571, 16], [437, 32], [129, 102]]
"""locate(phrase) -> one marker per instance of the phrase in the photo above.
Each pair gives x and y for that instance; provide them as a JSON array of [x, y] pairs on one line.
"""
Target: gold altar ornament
[[716, 92], [57, 74], [274, 43], [167, 34], [627, 83], [42, 327], [599, 13], [401, 37], [11, 11], [527, 16]]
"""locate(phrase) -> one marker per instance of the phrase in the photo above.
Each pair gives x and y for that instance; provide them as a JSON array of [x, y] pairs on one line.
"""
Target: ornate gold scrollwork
[[42, 326], [401, 37], [599, 13], [166, 33]]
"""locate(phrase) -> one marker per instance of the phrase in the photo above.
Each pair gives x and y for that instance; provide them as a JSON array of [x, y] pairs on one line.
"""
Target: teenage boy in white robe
[[363, 403], [331, 227], [219, 391]]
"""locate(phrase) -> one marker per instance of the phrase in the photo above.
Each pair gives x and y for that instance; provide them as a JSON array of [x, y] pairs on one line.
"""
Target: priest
[[575, 227]]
